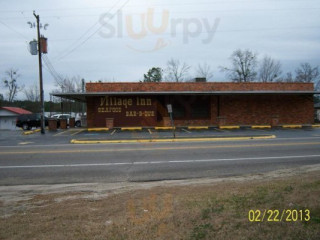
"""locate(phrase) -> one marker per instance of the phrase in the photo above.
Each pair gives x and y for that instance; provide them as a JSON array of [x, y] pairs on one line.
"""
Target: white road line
[[79, 131], [161, 143], [60, 133], [66, 165], [156, 162], [113, 132], [219, 130], [25, 143], [185, 130]]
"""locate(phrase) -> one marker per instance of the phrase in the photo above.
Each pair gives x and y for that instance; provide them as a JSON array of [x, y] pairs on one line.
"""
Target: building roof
[[199, 88], [196, 87], [82, 96], [16, 110]]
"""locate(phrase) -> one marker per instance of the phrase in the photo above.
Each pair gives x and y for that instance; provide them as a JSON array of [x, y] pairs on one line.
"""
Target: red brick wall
[[236, 109], [207, 86], [250, 110], [258, 110]]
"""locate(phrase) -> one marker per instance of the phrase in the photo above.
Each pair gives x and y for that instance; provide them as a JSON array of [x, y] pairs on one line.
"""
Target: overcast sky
[[133, 41]]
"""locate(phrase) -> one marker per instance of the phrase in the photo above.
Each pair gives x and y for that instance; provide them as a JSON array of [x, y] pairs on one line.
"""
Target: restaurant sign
[[128, 110]]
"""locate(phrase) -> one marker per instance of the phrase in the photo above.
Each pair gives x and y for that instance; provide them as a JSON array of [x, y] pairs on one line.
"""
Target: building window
[[191, 107], [200, 110], [179, 111]]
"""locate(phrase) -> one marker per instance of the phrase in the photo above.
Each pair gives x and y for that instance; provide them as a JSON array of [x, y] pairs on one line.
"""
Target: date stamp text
[[275, 215]]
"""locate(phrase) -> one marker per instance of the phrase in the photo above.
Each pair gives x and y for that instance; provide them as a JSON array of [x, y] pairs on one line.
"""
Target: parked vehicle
[[28, 121], [78, 119], [61, 116]]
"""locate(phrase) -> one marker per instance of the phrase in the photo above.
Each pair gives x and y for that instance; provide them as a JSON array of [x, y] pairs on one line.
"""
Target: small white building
[[8, 117]]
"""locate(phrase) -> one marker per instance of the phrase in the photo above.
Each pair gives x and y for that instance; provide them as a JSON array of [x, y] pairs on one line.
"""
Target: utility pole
[[40, 75], [82, 90], [169, 107]]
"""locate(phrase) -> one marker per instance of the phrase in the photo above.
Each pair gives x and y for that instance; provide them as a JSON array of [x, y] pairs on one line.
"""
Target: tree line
[[244, 67], [32, 93]]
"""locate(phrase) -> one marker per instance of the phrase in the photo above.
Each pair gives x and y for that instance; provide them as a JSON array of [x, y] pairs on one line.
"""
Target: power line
[[12, 29], [55, 74], [182, 12], [217, 31], [90, 36], [50, 71], [89, 29], [49, 67], [159, 4]]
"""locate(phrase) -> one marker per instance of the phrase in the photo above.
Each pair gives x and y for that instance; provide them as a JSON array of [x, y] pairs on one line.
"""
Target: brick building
[[199, 103]]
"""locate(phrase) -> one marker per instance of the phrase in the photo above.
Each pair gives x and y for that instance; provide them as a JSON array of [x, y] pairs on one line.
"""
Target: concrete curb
[[164, 128], [31, 132], [28, 132], [261, 126], [291, 126], [131, 128], [74, 141], [197, 127], [229, 127], [97, 129], [206, 127]]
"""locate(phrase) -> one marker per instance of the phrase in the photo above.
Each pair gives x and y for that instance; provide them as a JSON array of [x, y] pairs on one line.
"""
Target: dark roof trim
[[82, 96]]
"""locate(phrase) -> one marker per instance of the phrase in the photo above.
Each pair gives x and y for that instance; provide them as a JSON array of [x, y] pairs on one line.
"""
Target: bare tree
[[307, 73], [270, 70], [77, 83], [288, 78], [67, 84], [10, 82], [176, 71], [244, 63], [32, 93], [204, 71], [317, 86]]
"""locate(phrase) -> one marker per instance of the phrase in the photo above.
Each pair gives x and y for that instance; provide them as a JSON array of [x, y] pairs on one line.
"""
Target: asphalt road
[[48, 160]]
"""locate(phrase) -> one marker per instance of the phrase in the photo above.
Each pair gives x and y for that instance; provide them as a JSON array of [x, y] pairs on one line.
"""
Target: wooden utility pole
[[40, 75]]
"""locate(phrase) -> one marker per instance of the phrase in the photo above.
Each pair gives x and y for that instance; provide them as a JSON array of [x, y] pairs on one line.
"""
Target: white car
[[78, 122], [79, 118], [62, 116]]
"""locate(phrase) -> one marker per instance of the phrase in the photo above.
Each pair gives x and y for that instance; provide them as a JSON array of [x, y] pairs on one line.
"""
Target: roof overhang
[[81, 97]]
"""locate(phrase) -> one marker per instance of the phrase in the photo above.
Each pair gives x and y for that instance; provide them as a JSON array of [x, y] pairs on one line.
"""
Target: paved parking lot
[[13, 138]]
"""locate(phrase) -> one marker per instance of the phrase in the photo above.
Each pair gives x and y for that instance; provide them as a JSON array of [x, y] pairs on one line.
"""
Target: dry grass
[[216, 211]]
